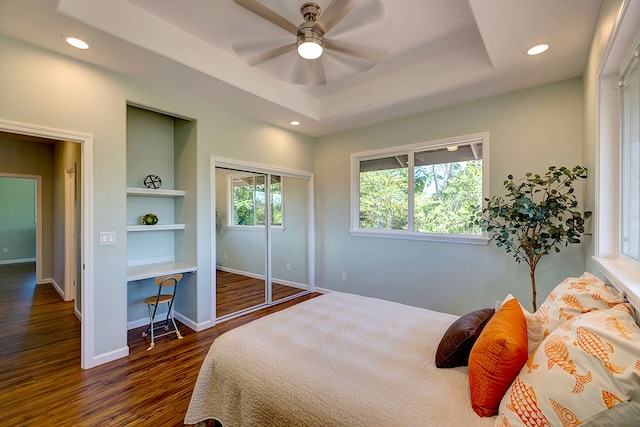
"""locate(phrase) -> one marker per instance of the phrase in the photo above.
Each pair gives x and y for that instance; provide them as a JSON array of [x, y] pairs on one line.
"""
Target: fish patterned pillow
[[574, 296], [586, 372]]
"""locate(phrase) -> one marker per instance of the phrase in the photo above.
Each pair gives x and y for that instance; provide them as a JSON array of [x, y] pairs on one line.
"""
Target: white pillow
[[585, 371], [534, 327]]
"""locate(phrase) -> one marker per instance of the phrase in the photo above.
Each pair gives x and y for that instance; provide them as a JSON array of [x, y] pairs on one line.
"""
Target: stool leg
[[170, 313], [151, 319]]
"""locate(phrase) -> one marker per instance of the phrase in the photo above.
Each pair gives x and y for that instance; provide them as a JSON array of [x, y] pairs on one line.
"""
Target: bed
[[347, 360]]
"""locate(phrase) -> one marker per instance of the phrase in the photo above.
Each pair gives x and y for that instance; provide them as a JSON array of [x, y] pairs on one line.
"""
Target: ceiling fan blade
[[356, 50], [316, 72], [307, 72], [268, 14], [274, 53], [336, 10]]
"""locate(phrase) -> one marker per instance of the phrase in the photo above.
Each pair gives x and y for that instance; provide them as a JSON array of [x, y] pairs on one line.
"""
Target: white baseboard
[[108, 357], [17, 261], [183, 319], [52, 282], [137, 323], [240, 272]]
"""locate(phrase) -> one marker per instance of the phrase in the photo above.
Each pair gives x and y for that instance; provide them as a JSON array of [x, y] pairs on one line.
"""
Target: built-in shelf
[[151, 192], [157, 227], [148, 271]]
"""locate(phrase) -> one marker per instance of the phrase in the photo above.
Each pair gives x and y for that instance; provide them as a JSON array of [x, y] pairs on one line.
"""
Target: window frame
[[230, 202], [410, 149], [620, 270]]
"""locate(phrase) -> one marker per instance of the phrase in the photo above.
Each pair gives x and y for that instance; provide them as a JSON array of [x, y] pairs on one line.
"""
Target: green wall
[[529, 131], [49, 90], [18, 224], [35, 159]]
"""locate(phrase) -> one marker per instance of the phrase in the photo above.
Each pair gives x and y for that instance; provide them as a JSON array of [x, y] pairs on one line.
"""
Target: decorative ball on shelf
[[150, 219], [152, 181]]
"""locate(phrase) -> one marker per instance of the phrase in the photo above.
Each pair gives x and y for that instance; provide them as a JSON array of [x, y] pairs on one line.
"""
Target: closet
[[260, 261]]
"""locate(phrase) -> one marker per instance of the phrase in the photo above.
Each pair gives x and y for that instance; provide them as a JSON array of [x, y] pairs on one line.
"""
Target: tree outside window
[[249, 197], [444, 185]]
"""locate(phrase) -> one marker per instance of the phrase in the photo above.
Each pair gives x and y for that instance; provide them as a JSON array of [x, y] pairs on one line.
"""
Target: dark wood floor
[[235, 292], [41, 382]]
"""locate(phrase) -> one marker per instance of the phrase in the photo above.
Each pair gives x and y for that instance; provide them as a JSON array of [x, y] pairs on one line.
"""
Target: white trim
[[431, 237], [18, 261], [70, 198], [178, 316], [624, 276], [156, 227], [223, 162], [87, 359], [109, 356], [151, 192], [354, 192], [240, 272], [212, 240], [620, 271], [55, 285]]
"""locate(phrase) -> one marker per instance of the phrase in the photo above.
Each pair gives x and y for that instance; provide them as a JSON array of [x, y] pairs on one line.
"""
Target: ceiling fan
[[311, 42]]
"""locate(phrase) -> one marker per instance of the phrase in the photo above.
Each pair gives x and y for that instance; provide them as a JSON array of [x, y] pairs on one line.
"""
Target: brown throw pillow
[[455, 345]]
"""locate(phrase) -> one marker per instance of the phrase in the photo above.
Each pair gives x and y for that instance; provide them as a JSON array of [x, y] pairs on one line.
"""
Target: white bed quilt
[[335, 360]]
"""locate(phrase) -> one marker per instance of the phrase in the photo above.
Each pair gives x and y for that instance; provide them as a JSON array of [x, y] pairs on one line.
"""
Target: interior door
[[241, 241], [290, 242], [263, 236]]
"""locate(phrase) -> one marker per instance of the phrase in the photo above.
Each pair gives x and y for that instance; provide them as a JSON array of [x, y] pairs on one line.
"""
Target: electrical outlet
[[225, 255], [344, 276], [288, 266]]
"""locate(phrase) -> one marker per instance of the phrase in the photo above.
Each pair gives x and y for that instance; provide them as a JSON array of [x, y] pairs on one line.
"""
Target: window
[[248, 198], [430, 191], [617, 183], [630, 159]]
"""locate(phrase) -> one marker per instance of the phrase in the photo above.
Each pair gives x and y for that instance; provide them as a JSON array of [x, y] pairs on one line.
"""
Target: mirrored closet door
[[262, 237]]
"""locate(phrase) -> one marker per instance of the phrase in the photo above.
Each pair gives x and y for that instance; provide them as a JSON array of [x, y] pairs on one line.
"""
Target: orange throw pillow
[[497, 357]]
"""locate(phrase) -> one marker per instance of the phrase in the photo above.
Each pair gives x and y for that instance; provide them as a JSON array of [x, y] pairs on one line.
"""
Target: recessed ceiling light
[[76, 42], [538, 49], [452, 148], [294, 123]]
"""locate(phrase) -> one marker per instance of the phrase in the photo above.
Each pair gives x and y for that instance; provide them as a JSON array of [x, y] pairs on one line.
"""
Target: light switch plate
[[107, 238]]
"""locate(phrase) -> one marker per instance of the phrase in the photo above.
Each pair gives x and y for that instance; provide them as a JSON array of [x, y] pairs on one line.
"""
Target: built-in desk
[[149, 271]]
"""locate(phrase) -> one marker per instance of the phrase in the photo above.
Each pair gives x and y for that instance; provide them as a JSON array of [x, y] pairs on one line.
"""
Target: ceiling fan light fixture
[[310, 41], [310, 50]]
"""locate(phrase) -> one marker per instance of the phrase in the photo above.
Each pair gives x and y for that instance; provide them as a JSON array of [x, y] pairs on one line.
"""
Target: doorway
[[22, 133], [261, 238]]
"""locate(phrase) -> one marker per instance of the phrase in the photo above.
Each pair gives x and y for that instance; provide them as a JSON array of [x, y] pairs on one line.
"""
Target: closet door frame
[[267, 170]]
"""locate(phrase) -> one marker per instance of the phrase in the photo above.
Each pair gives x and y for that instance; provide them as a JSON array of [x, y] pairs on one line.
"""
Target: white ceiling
[[438, 52]]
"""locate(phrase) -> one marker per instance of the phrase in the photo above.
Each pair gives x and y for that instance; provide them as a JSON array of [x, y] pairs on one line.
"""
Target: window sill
[[624, 275], [274, 229], [431, 237]]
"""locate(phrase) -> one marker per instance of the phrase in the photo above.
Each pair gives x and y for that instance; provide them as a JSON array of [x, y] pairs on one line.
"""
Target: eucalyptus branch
[[537, 215]]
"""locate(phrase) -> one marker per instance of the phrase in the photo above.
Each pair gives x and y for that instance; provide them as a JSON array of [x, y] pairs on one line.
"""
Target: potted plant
[[537, 215]]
